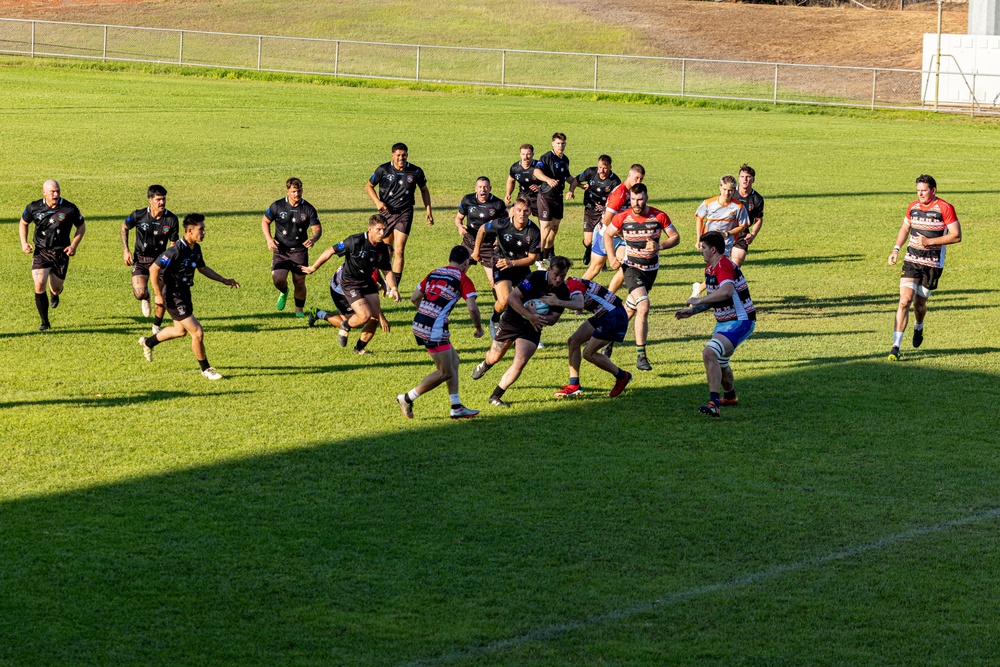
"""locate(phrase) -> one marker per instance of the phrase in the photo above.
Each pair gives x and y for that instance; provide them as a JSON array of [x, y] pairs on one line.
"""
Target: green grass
[[288, 515]]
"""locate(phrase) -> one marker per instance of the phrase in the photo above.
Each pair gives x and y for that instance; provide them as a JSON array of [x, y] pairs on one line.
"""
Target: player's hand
[[26, 248], [308, 243], [683, 314], [462, 230], [501, 263], [550, 299], [748, 239], [474, 257], [614, 263], [430, 217], [70, 250], [308, 269], [697, 246], [535, 320], [393, 294], [382, 208], [570, 195], [533, 188], [507, 200], [383, 323], [128, 257], [893, 256], [693, 301], [478, 333], [231, 282], [651, 245], [272, 245]]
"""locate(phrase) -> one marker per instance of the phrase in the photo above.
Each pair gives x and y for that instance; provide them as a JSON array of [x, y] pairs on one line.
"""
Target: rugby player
[[931, 224], [640, 226], [344, 311], [617, 202], [53, 217], [434, 298], [608, 324], [598, 182], [517, 245], [397, 182], [293, 217], [479, 208], [753, 202], [722, 214], [552, 169], [729, 297], [364, 254], [522, 173], [155, 228], [172, 275], [521, 326]]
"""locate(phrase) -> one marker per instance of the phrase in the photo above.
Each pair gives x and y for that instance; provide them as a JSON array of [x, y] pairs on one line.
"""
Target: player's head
[[747, 176], [558, 269], [293, 188], [639, 197], [604, 166], [926, 188], [635, 174], [520, 211], [157, 197], [727, 186], [558, 143], [483, 188], [376, 228], [399, 154], [713, 244], [194, 227], [50, 192], [459, 256], [527, 152]]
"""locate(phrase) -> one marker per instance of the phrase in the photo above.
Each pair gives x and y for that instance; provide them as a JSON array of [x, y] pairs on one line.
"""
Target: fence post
[[874, 79], [775, 99], [972, 109], [336, 58], [595, 72], [32, 39], [683, 74], [503, 68], [418, 64], [180, 52], [260, 42]]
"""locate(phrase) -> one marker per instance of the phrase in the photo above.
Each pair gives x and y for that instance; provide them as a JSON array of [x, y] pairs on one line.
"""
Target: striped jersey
[[740, 305], [930, 221], [597, 299], [638, 230], [719, 218], [442, 288]]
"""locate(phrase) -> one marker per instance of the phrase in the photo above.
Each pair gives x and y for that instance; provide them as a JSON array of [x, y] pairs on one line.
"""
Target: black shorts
[[635, 278], [354, 291], [401, 221], [741, 243], [141, 264], [340, 301], [591, 219], [511, 332], [178, 303], [290, 259], [54, 259], [550, 207], [612, 326], [514, 274], [485, 251], [925, 276]]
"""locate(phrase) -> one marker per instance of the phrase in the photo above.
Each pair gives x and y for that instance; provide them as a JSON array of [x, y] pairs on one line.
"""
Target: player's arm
[[673, 238], [22, 232], [392, 289], [317, 232], [904, 233], [699, 229], [724, 292], [524, 261], [754, 230], [210, 273], [573, 185], [265, 226], [81, 229], [459, 219], [425, 195], [515, 300], [540, 176], [322, 259], [575, 302], [417, 296], [477, 320], [953, 235], [480, 235], [510, 189], [126, 253], [156, 278], [610, 232], [370, 189]]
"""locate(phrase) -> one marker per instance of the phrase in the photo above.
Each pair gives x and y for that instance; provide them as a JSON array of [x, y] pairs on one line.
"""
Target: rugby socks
[[640, 349], [713, 397], [412, 395], [730, 395], [574, 381], [152, 341], [586, 255], [620, 375], [360, 345], [919, 326], [321, 314], [456, 402], [300, 303], [42, 304], [283, 290], [157, 321], [204, 364], [897, 338], [498, 392]]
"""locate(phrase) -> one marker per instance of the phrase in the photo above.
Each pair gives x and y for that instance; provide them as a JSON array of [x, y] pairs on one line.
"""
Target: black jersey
[[535, 286], [362, 258], [52, 225], [514, 243], [178, 264], [553, 167], [753, 203], [598, 188], [152, 236], [397, 188], [291, 223], [525, 178], [478, 213]]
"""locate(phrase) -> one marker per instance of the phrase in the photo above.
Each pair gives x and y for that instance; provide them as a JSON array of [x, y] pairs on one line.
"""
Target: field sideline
[[149, 516]]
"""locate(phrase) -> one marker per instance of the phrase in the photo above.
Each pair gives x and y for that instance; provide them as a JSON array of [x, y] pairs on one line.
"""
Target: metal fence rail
[[875, 88]]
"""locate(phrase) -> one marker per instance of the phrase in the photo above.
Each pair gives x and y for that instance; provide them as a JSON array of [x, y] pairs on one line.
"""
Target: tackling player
[[293, 217], [552, 169], [155, 227], [479, 208], [598, 182]]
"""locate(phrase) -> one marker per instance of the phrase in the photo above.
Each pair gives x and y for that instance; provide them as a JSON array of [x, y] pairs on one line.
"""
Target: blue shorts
[[735, 331], [611, 326], [597, 245]]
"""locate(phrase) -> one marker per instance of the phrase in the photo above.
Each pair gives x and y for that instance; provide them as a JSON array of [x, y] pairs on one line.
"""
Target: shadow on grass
[[116, 401]]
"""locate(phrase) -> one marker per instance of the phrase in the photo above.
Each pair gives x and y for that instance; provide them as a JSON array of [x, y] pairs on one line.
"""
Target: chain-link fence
[[684, 77]]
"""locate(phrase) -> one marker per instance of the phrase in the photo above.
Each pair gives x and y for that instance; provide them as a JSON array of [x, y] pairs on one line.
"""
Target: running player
[[397, 182], [754, 204], [722, 214], [344, 311], [931, 224], [53, 217], [522, 173], [552, 169], [517, 245], [155, 228], [729, 296], [293, 217], [598, 182], [434, 298], [608, 324], [641, 226], [521, 326], [617, 202], [172, 275], [364, 254], [479, 208]]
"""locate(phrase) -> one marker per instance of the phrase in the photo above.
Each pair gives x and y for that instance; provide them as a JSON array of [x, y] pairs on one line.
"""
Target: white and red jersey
[[597, 299], [930, 221], [739, 306], [719, 218], [638, 230], [619, 200], [442, 288]]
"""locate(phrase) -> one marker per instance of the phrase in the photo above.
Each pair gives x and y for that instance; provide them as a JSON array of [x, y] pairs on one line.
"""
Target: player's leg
[[140, 290], [367, 333], [194, 328], [618, 279], [738, 255], [502, 289], [40, 277], [715, 356], [919, 313], [598, 258], [523, 351], [493, 355], [592, 353], [588, 241], [175, 330], [638, 301], [399, 239], [907, 289], [280, 279], [579, 338], [553, 230]]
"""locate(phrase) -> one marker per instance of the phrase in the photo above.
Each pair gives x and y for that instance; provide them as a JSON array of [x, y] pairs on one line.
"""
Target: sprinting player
[[517, 245], [397, 182], [753, 202], [729, 296], [931, 224], [608, 324], [617, 202], [641, 226], [155, 228], [296, 229], [344, 311], [723, 214], [522, 326], [479, 208], [598, 182], [434, 298], [552, 169], [172, 275], [522, 173], [53, 217], [364, 254]]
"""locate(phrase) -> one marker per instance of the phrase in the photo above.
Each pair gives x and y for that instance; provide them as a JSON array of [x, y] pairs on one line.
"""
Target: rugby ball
[[538, 306]]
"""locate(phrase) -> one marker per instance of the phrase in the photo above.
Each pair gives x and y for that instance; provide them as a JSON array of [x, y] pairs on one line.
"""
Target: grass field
[[845, 513]]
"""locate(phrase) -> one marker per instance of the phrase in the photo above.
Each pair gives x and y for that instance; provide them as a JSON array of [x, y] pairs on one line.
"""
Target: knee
[[141, 294], [198, 334]]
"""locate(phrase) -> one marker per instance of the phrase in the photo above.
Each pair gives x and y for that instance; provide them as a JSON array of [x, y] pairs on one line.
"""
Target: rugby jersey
[[719, 218], [740, 305], [930, 221], [637, 230], [442, 288], [597, 299]]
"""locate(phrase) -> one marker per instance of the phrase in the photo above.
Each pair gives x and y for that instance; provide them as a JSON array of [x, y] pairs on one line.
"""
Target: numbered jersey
[[740, 305], [442, 288], [597, 299]]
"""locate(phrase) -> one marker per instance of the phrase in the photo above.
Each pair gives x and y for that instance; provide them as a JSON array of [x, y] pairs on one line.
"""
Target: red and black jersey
[[637, 231], [740, 305], [152, 236], [930, 221], [397, 187], [619, 199], [442, 288], [52, 225], [292, 223], [597, 299]]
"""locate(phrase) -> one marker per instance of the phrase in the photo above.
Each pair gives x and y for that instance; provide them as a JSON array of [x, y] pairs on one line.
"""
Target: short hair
[[528, 146], [605, 159], [156, 191], [728, 179], [376, 219], [483, 178], [637, 169], [293, 182], [559, 135], [400, 146], [715, 240], [193, 220], [748, 169], [639, 189], [560, 263], [459, 255], [928, 179], [522, 201]]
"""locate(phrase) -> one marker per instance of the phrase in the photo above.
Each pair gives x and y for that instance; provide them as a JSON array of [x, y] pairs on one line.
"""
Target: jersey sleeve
[[742, 217], [724, 271], [27, 213], [574, 286], [344, 247], [377, 175], [760, 209], [167, 257], [463, 209], [175, 232], [422, 285], [200, 261], [702, 211], [616, 200], [948, 215], [384, 258], [78, 215], [468, 288], [586, 174], [536, 245], [129, 220], [663, 219], [420, 179], [269, 213], [313, 216], [617, 220]]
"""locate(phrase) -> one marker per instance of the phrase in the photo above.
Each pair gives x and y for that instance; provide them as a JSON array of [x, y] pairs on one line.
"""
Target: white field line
[[553, 631]]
